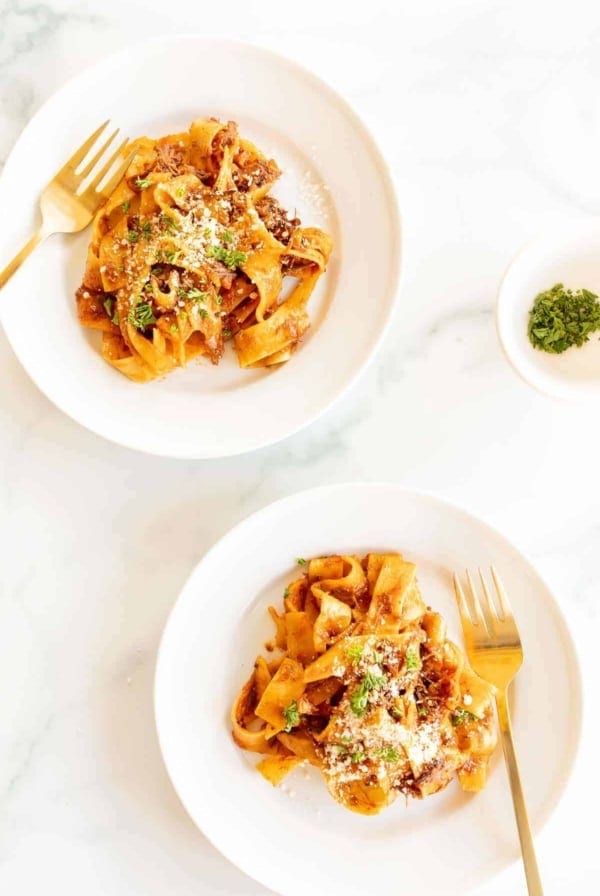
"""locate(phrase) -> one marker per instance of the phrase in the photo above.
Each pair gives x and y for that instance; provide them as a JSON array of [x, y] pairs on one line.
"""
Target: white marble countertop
[[489, 114]]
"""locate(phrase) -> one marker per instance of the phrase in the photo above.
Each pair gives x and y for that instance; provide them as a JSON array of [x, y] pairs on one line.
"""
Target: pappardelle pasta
[[190, 251], [366, 687]]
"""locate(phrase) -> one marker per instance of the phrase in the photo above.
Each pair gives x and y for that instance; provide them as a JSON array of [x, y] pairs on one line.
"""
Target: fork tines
[[98, 167], [486, 615]]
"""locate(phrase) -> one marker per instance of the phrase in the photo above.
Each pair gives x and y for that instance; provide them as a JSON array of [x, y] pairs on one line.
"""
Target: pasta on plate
[[191, 251], [366, 687]]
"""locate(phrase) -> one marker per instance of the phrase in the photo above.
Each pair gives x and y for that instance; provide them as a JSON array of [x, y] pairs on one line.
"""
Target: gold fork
[[67, 203], [495, 653]]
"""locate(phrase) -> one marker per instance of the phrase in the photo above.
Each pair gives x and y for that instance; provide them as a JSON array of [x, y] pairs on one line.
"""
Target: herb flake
[[291, 716], [354, 652], [359, 699], [460, 716], [560, 318], [231, 258], [388, 754], [196, 294], [109, 307], [412, 660], [169, 223], [141, 316]]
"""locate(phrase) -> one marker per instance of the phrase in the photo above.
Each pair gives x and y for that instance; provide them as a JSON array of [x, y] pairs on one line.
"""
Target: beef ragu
[[190, 252], [364, 684]]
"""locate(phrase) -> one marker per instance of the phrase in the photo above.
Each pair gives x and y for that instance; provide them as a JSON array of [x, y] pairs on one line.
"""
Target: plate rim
[[395, 225], [574, 745]]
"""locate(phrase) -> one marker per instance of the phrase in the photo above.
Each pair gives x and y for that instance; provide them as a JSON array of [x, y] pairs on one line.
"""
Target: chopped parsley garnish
[[562, 317], [207, 233], [174, 328], [358, 756], [358, 701], [388, 754], [342, 747], [133, 236], [227, 237], [168, 223], [421, 711], [109, 307], [286, 593], [142, 183], [196, 294], [360, 698], [412, 660], [377, 656], [180, 192], [300, 561], [231, 258], [125, 206], [226, 333], [396, 712], [372, 681], [219, 300], [171, 256], [354, 652], [141, 316], [292, 716], [146, 229], [460, 716], [202, 312]]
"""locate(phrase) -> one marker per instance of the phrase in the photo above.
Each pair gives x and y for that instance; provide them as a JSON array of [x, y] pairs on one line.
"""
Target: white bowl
[[568, 254]]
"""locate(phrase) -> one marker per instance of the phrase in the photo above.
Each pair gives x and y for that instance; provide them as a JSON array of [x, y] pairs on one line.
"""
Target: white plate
[[569, 254], [316, 138], [296, 839]]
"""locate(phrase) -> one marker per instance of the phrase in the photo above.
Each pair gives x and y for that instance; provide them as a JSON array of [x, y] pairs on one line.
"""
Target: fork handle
[[20, 257], [532, 875]]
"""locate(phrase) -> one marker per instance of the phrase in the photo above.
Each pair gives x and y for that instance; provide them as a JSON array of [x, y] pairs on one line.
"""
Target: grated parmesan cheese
[[314, 193], [377, 744]]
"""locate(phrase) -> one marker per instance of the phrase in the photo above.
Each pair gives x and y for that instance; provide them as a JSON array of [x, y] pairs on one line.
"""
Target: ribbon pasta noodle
[[191, 251], [366, 687]]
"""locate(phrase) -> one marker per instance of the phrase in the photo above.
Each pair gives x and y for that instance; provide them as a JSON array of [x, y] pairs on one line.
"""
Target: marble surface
[[490, 118]]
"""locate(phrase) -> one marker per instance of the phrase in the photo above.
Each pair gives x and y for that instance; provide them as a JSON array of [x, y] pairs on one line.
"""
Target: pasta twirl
[[367, 688], [190, 251]]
